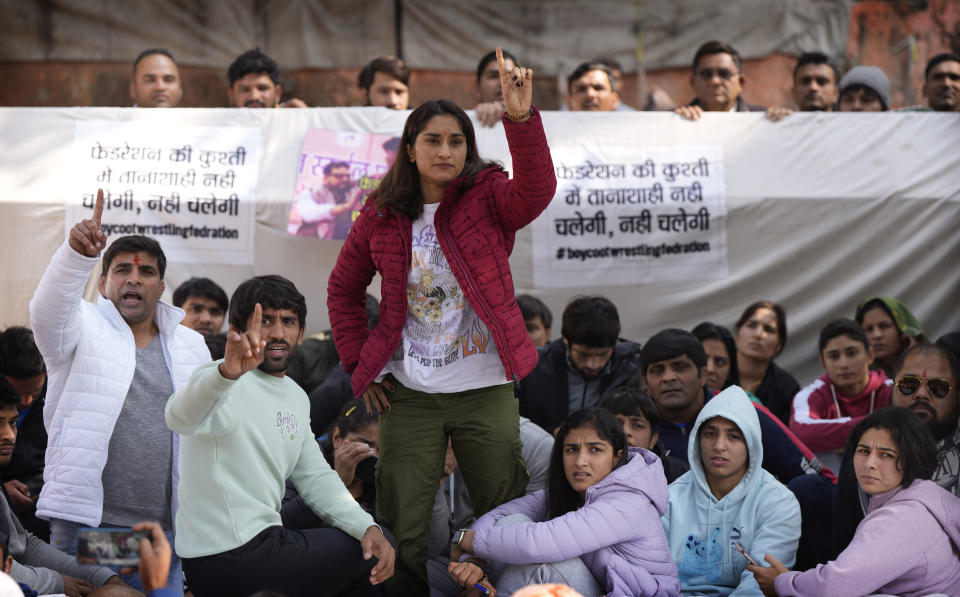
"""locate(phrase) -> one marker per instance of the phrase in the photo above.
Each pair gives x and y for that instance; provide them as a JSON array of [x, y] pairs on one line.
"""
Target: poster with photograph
[[338, 169]]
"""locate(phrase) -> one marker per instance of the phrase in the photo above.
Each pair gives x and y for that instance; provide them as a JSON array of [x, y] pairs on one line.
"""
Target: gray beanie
[[868, 76]]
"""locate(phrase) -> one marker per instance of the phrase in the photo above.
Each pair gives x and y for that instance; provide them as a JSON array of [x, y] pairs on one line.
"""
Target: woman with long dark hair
[[451, 340], [909, 540], [596, 527], [761, 336]]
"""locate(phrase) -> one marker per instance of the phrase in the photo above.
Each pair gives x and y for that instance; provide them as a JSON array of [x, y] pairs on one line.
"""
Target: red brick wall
[[875, 28]]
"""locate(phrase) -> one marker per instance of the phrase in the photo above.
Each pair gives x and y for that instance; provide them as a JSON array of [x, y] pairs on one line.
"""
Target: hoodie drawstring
[[836, 403]]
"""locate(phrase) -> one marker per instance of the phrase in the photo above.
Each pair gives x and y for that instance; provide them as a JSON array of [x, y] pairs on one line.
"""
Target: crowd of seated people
[[673, 401], [689, 462]]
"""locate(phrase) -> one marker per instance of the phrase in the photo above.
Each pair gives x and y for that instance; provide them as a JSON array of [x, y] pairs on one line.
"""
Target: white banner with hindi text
[[191, 187], [632, 215]]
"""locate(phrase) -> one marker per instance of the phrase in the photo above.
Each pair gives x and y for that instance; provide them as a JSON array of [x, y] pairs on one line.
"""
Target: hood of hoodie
[[732, 404], [942, 505], [906, 322], [641, 473]]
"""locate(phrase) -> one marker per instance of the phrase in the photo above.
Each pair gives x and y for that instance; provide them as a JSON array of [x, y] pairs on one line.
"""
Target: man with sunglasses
[[717, 80], [925, 381]]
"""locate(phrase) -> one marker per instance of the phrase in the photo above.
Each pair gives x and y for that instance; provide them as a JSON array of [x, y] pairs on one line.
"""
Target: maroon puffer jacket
[[476, 230]]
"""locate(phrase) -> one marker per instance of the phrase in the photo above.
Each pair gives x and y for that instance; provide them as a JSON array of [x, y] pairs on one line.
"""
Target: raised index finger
[[255, 321], [98, 207], [501, 65]]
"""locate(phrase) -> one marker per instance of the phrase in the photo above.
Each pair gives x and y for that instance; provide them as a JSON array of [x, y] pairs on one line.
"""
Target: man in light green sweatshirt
[[245, 430]]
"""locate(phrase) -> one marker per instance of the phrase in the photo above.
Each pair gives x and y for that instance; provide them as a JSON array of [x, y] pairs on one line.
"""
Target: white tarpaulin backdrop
[[822, 210]]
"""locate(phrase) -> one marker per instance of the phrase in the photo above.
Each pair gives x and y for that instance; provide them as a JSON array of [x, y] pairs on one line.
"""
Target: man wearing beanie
[[864, 89]]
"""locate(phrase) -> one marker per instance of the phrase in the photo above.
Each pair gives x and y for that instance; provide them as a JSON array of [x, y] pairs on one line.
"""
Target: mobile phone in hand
[[745, 554], [110, 547]]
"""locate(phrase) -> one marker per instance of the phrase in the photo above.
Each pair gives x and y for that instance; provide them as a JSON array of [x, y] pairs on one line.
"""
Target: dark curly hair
[[916, 448]]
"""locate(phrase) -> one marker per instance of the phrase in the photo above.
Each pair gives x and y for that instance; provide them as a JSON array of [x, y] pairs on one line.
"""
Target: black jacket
[[26, 463], [776, 391], [545, 393], [311, 362]]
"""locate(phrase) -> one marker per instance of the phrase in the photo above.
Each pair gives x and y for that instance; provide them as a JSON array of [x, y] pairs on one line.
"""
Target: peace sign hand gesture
[[86, 237], [244, 350], [517, 85]]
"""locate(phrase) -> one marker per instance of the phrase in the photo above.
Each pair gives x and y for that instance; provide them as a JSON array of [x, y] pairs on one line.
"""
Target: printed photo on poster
[[338, 169]]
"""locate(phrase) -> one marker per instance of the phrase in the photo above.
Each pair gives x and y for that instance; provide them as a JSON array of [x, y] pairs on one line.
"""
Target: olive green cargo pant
[[483, 427]]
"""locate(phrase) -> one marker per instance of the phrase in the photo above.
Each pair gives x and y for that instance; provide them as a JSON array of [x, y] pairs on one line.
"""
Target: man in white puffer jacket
[[111, 460]]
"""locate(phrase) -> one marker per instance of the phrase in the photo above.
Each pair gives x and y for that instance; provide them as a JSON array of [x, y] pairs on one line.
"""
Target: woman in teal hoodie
[[727, 500]]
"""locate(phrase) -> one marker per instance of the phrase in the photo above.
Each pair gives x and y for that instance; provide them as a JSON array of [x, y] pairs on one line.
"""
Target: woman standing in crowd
[[721, 355], [891, 329], [439, 230], [909, 540], [596, 527], [761, 336]]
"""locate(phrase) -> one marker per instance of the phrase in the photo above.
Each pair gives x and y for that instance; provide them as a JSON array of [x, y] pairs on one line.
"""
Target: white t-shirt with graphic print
[[446, 347]]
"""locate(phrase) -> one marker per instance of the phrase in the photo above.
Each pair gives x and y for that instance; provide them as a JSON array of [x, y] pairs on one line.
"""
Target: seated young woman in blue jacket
[[727, 499], [595, 527]]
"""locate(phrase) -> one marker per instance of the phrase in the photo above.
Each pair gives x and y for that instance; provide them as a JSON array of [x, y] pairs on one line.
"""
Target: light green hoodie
[[241, 440]]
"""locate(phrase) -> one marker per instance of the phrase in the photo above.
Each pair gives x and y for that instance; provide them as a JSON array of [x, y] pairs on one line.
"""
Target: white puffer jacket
[[90, 355]]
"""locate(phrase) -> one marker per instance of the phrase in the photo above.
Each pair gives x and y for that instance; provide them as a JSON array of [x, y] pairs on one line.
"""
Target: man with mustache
[[385, 82], [35, 562], [941, 85], [246, 430], [112, 365], [717, 80], [814, 86], [156, 80], [255, 83], [204, 303], [591, 87]]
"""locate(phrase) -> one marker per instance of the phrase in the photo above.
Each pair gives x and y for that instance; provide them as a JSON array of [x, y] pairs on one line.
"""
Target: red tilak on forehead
[[136, 260]]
